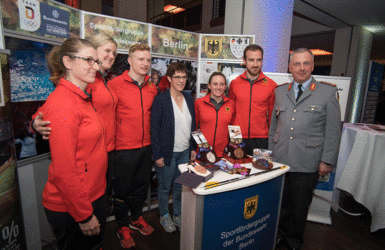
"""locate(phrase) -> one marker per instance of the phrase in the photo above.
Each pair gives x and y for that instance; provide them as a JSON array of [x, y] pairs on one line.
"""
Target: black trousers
[[110, 171], [68, 233], [252, 143], [297, 196], [132, 179]]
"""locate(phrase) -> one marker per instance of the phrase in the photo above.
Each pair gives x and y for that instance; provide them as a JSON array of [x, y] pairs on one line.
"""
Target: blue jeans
[[166, 177]]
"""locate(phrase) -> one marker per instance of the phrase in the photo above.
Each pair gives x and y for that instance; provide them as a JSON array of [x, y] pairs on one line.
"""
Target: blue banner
[[373, 92], [54, 21], [242, 219], [45, 19]]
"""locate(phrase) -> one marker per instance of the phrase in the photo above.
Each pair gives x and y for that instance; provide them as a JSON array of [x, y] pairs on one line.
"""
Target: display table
[[361, 169], [238, 215]]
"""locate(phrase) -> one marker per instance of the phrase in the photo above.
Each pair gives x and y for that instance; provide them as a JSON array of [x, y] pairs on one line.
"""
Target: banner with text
[[42, 18], [174, 42], [248, 221], [124, 32]]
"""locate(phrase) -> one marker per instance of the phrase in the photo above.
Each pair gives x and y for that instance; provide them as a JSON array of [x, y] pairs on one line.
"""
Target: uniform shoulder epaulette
[[283, 84], [328, 83]]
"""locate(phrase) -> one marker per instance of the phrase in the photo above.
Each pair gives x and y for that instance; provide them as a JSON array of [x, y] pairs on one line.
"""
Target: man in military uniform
[[304, 134]]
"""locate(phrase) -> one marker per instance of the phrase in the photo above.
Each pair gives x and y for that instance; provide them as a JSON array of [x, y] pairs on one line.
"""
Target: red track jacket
[[133, 111], [77, 173], [214, 124], [104, 101], [254, 104]]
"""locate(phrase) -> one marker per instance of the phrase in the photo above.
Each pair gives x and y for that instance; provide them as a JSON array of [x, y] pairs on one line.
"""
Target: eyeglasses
[[90, 60], [184, 78]]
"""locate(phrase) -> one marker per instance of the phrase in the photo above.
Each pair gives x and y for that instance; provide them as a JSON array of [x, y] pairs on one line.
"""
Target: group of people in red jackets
[[98, 130]]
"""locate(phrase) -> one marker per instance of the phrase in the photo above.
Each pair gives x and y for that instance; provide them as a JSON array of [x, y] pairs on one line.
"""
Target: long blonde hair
[[101, 39]]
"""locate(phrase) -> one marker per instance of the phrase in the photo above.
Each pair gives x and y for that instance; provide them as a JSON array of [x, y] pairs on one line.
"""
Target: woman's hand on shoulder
[[39, 125]]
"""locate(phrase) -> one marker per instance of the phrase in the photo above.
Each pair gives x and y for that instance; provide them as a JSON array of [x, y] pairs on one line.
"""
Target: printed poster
[[230, 70], [29, 71], [161, 64], [124, 32], [43, 18], [224, 46], [11, 219], [174, 42]]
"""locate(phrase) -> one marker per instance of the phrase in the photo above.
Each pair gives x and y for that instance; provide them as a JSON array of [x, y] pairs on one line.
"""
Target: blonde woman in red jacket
[[74, 196], [103, 99], [214, 112]]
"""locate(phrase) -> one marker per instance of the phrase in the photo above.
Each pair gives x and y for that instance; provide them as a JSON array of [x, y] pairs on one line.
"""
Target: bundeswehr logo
[[237, 45], [250, 207], [213, 46]]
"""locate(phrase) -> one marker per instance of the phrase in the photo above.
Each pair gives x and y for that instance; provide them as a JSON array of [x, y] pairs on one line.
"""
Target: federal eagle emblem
[[150, 84], [250, 207], [213, 46]]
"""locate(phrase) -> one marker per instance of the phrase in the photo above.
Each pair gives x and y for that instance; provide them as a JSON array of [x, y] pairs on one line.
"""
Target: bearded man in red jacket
[[253, 94]]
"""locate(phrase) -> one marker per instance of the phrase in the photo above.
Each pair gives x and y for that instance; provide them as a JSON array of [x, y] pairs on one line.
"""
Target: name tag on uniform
[[313, 107]]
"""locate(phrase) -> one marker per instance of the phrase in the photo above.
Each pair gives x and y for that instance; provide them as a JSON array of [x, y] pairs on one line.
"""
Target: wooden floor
[[346, 232]]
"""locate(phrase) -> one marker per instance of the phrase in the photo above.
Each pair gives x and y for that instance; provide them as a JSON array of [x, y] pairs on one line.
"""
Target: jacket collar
[[206, 99], [128, 78], [73, 88], [307, 92], [260, 77]]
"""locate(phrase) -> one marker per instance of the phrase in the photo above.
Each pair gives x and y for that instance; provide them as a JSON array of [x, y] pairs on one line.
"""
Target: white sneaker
[[176, 220], [167, 223]]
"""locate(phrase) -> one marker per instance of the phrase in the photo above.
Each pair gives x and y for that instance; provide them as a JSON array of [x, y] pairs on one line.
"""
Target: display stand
[[239, 215]]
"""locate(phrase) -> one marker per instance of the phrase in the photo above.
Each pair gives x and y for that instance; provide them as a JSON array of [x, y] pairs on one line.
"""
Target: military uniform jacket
[[304, 133]]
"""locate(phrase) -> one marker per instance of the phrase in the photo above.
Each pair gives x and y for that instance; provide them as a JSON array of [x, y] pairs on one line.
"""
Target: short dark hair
[[301, 50], [176, 67], [252, 47]]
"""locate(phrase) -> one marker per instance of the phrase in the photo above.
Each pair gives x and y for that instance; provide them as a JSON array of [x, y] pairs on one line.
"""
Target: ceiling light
[[319, 52], [375, 28], [173, 9]]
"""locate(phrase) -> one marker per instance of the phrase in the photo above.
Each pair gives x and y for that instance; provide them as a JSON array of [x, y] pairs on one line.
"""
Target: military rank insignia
[[312, 86], [328, 83]]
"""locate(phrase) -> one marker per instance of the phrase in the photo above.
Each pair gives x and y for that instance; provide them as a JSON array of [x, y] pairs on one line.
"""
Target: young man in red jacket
[[253, 94], [135, 93]]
